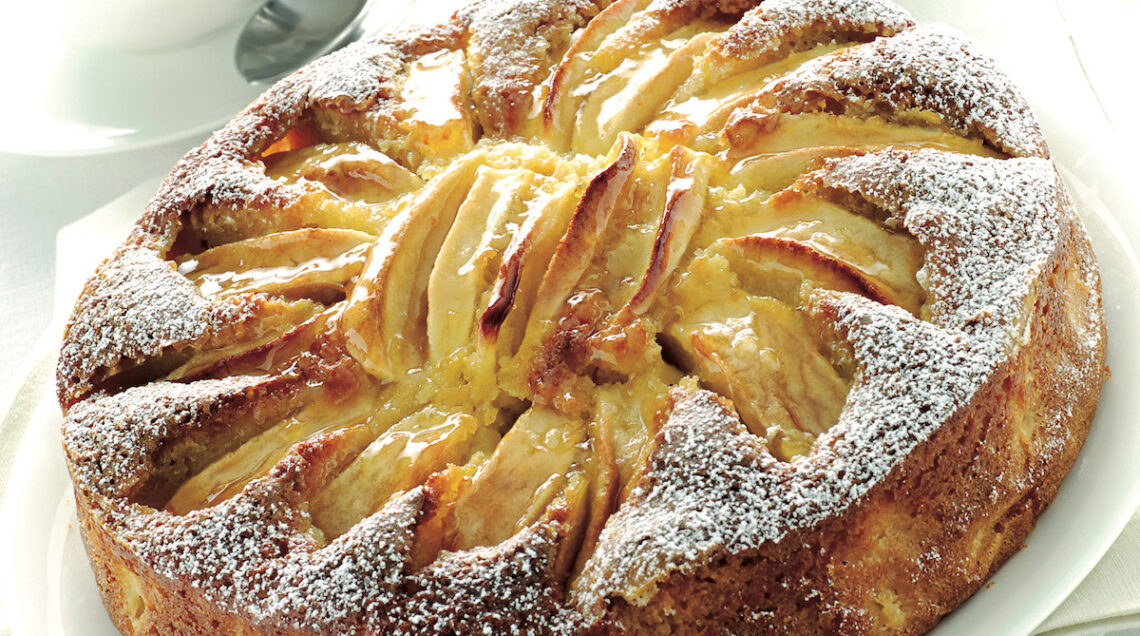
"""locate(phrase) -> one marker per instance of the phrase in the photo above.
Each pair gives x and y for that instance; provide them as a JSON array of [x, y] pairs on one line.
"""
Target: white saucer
[[63, 100], [69, 100]]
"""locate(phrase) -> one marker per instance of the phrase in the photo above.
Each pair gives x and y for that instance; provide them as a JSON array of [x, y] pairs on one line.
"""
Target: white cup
[[148, 25]]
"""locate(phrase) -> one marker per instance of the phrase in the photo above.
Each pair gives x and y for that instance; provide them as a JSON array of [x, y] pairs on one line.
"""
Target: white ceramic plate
[[82, 100], [1033, 43]]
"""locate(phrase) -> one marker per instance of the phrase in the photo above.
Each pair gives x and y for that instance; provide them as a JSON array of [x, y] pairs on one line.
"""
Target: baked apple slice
[[619, 262], [788, 270], [307, 204], [862, 96], [626, 417], [230, 473], [871, 247], [758, 351], [402, 457], [699, 109], [625, 65], [529, 469], [538, 465], [435, 110], [661, 215], [524, 262], [636, 91], [767, 174], [269, 321], [314, 262], [583, 236], [268, 353], [681, 214], [353, 171], [748, 136], [583, 62], [324, 185], [424, 110], [383, 322], [767, 42], [460, 277]]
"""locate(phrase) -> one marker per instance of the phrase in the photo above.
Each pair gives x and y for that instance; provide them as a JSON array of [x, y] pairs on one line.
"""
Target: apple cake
[[583, 317]]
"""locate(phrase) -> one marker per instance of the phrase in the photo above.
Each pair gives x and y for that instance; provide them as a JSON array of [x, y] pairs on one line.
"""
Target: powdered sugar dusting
[[913, 377], [224, 170], [356, 580], [702, 8], [111, 440], [215, 548], [513, 47], [135, 307], [964, 87], [781, 25], [989, 225], [251, 554], [505, 589]]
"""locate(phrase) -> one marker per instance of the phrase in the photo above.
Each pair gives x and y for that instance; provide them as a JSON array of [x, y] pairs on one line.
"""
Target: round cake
[[695, 316]]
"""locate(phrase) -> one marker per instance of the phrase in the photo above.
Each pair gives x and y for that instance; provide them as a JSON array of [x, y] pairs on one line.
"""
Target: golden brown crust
[[511, 49], [878, 80]]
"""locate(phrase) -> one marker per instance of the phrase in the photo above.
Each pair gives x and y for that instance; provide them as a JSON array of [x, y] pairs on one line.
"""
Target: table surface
[[39, 195]]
